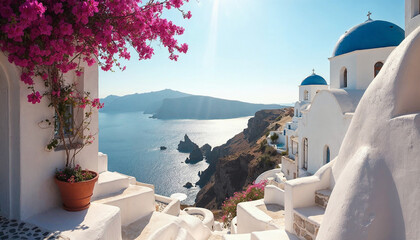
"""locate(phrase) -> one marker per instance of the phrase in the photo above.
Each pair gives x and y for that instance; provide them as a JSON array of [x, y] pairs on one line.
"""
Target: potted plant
[[72, 117], [52, 40]]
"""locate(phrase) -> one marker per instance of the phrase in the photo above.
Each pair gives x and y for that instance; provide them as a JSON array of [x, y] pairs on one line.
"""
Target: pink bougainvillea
[[229, 206], [48, 38], [37, 34]]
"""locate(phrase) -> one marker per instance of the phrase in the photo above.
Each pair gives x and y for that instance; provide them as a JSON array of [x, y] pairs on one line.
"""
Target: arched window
[[306, 95], [305, 154], [344, 78], [377, 68], [327, 154]]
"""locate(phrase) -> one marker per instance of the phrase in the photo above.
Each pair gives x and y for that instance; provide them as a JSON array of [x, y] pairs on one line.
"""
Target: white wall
[[378, 165], [324, 125], [360, 67], [289, 168], [412, 15], [37, 165], [31, 169], [312, 89], [9, 142], [4, 147]]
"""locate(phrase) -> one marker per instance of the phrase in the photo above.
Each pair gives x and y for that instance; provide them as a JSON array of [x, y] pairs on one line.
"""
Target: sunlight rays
[[210, 53]]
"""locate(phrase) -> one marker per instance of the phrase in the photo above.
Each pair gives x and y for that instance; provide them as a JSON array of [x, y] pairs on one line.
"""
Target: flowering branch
[[48, 38]]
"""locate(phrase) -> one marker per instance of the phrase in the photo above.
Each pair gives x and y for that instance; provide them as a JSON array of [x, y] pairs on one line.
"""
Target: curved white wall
[[360, 67]]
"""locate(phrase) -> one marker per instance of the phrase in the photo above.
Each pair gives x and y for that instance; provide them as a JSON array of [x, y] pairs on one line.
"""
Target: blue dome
[[314, 80], [368, 35]]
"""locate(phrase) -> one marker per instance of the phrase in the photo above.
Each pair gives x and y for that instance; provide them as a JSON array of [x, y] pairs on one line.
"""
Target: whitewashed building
[[369, 190], [323, 114]]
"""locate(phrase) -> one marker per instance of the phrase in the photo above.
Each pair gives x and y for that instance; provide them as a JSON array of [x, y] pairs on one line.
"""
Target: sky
[[255, 51]]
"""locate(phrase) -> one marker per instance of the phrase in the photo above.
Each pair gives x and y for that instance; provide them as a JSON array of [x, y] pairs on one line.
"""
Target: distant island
[[170, 104]]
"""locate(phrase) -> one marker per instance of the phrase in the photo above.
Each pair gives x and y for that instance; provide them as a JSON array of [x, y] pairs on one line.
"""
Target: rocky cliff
[[240, 160]]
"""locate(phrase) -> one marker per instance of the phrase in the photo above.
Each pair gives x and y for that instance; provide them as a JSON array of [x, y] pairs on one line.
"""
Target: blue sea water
[[132, 142]]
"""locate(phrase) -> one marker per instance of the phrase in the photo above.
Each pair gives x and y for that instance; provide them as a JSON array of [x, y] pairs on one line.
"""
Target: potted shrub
[[51, 40]]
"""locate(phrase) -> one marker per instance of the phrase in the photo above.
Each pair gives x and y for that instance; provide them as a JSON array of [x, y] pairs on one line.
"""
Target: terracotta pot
[[76, 196]]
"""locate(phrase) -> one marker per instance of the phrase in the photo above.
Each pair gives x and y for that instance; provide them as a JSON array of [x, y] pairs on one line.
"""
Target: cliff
[[240, 160], [143, 102], [204, 107]]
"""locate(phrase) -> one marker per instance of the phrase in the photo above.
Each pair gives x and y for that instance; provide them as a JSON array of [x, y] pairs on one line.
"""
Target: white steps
[[135, 202], [307, 220], [322, 197], [245, 236], [120, 190], [273, 234], [99, 221], [109, 183]]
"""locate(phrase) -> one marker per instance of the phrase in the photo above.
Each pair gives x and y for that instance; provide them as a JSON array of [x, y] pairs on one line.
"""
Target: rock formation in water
[[188, 185], [237, 163], [206, 150], [195, 156], [186, 146]]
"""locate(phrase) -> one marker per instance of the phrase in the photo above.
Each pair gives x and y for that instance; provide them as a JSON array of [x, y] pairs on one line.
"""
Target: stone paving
[[160, 206], [12, 229]]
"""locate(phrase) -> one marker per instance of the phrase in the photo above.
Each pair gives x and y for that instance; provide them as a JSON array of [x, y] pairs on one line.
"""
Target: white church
[[323, 113], [353, 159]]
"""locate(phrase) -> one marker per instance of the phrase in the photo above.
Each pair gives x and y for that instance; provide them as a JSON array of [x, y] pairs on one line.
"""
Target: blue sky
[[250, 50]]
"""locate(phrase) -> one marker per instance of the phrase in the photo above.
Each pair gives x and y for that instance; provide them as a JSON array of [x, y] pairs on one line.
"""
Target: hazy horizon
[[250, 51], [290, 103]]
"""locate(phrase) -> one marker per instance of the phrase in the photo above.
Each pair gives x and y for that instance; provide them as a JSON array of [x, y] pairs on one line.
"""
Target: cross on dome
[[368, 15], [313, 71]]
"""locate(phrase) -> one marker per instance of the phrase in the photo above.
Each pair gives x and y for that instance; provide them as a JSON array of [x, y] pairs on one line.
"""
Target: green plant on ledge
[[274, 137]]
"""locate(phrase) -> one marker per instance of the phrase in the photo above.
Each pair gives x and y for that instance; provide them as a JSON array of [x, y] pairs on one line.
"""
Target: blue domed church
[[324, 112]]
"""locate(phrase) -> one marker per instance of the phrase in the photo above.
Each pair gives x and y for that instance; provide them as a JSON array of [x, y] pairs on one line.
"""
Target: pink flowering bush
[[253, 192], [73, 175], [48, 38]]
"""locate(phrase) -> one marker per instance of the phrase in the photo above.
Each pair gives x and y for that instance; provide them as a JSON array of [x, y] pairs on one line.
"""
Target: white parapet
[[135, 203], [98, 222], [173, 205], [102, 162], [208, 218], [301, 192], [273, 195], [161, 226], [250, 218]]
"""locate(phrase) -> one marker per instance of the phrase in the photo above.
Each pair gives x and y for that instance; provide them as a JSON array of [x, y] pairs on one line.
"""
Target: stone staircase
[[322, 197], [307, 220]]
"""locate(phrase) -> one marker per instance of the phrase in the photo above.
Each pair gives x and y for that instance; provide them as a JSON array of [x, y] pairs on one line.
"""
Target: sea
[[132, 142]]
